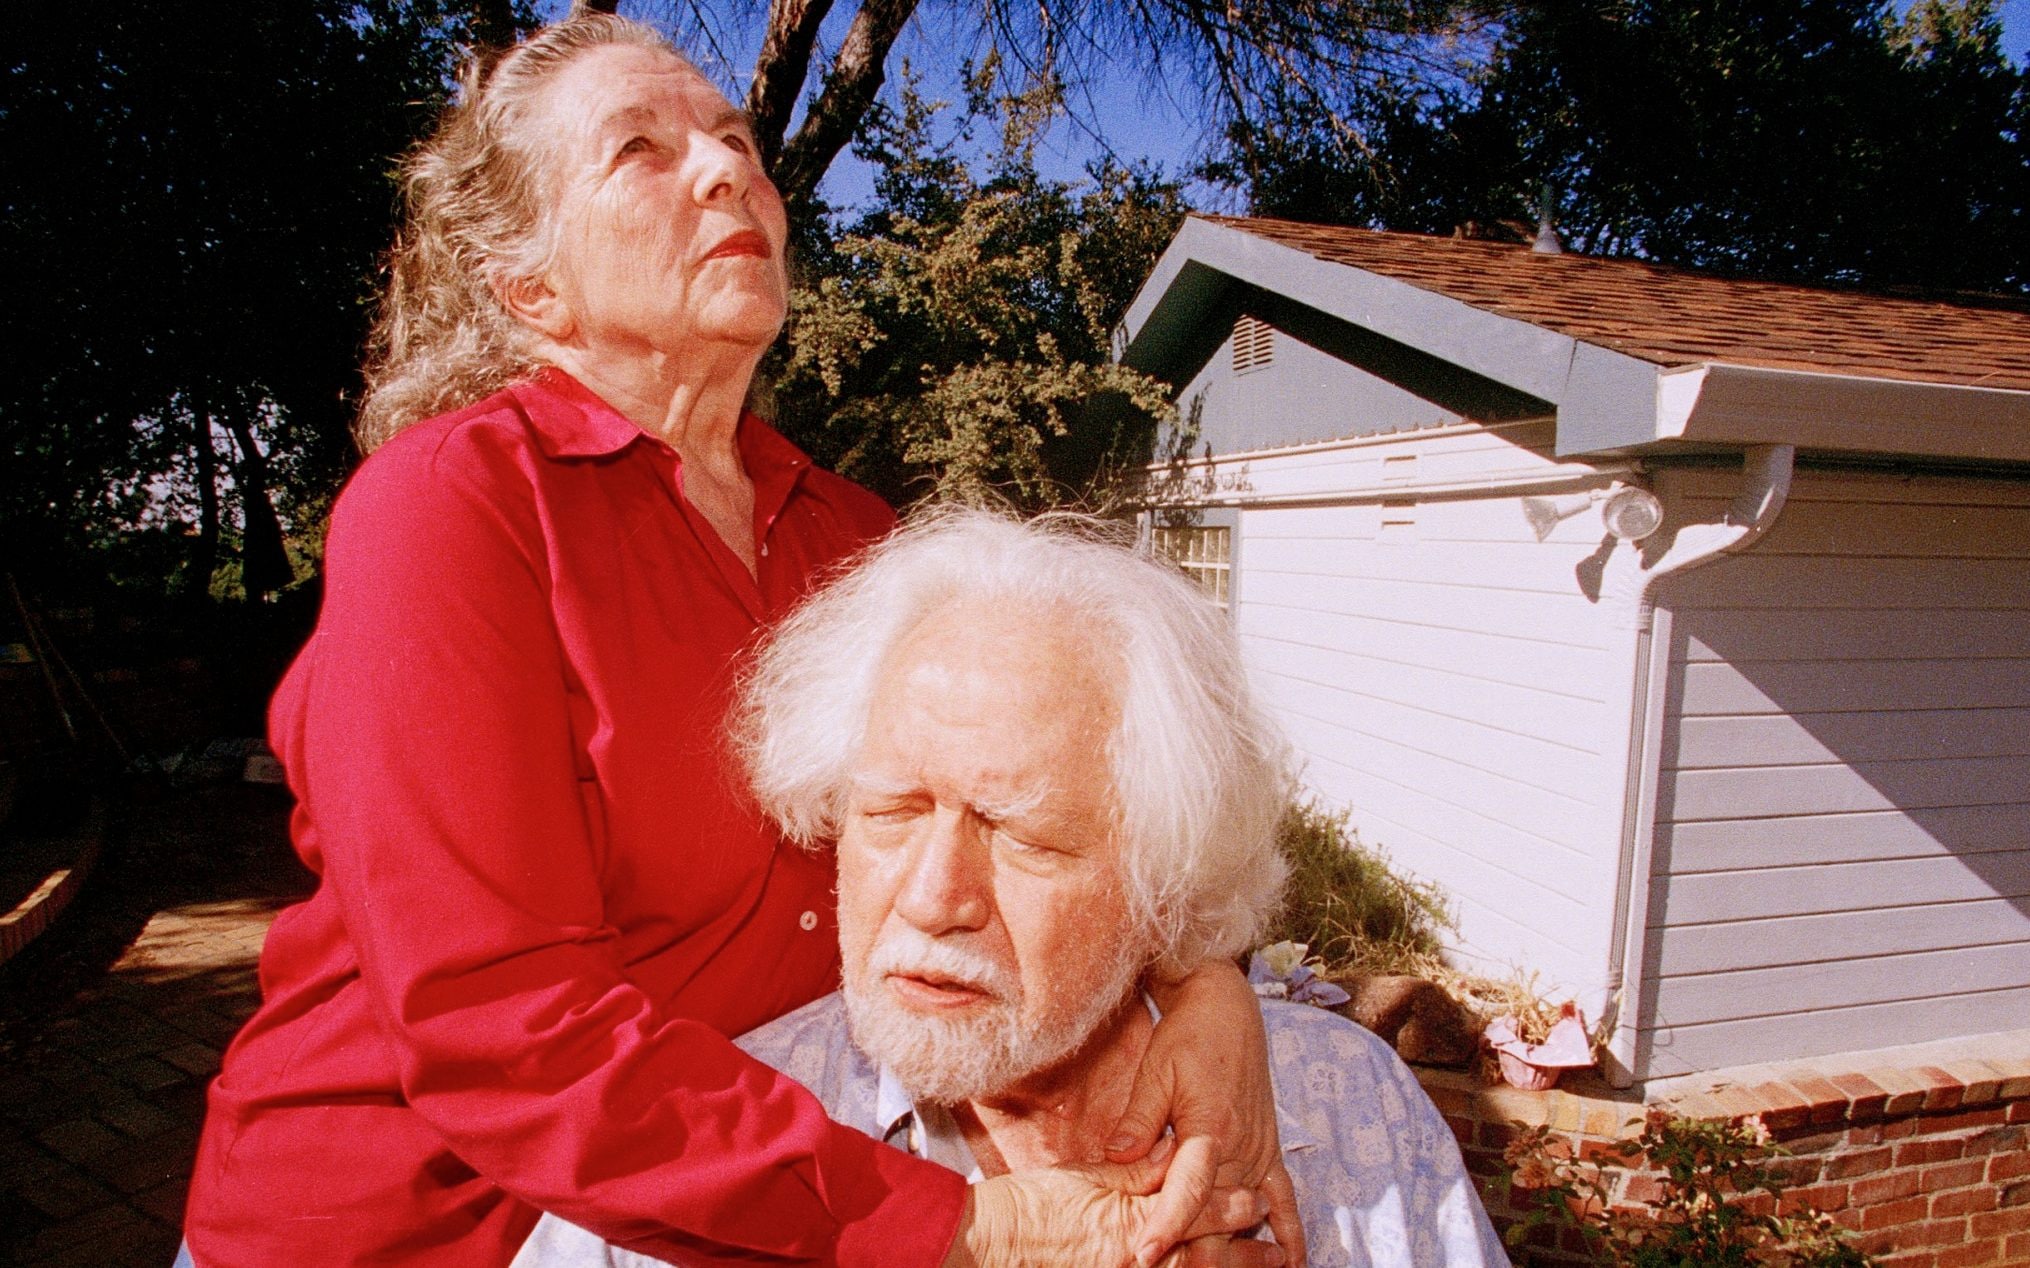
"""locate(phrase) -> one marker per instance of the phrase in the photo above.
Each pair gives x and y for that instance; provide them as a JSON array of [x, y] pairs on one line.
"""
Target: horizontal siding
[[1762, 892], [1722, 845], [1835, 936], [1806, 687], [1489, 568], [1547, 617], [1946, 495], [1871, 735], [1442, 677], [1494, 796], [1845, 983], [1469, 743], [1818, 527], [1777, 582], [1837, 788], [1856, 634], [1488, 656], [1843, 833], [1486, 692], [1511, 911], [1672, 1050]]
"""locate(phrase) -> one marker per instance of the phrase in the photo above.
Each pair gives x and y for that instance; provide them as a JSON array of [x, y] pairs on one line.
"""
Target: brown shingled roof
[[1673, 316]]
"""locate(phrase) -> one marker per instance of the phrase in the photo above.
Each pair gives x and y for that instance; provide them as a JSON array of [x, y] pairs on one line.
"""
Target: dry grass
[[1362, 918], [1343, 900]]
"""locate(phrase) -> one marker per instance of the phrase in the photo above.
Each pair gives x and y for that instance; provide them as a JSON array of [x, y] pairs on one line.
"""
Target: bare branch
[[780, 69], [850, 87]]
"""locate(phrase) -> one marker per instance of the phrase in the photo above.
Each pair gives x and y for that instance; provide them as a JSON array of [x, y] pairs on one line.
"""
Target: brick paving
[[112, 1022]]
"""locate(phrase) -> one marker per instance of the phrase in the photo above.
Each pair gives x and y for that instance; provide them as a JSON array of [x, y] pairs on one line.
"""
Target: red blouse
[[543, 904]]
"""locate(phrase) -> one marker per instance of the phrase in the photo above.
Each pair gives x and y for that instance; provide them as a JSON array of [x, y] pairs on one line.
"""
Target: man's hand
[[1095, 1217], [1207, 1074]]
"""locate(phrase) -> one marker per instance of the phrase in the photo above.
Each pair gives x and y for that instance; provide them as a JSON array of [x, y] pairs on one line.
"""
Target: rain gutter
[[1630, 587]]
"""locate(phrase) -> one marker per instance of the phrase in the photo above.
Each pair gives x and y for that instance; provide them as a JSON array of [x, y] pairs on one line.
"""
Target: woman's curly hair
[[477, 219]]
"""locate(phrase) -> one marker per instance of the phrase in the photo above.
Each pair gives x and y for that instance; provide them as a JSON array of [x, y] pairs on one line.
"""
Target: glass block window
[[1204, 552]]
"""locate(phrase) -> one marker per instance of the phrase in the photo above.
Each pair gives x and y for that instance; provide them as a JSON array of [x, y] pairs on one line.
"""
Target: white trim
[[1487, 484], [1719, 403], [1438, 430]]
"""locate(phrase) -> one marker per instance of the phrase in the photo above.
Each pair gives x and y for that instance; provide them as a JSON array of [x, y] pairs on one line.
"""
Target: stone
[[1422, 1023]]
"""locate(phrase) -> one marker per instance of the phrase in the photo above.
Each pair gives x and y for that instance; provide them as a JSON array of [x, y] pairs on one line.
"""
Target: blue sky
[[1125, 115]]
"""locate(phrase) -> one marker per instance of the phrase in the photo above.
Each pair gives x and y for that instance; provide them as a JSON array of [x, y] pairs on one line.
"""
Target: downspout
[[1765, 484]]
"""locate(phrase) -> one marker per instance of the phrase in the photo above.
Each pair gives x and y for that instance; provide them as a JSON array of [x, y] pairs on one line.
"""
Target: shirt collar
[[572, 421]]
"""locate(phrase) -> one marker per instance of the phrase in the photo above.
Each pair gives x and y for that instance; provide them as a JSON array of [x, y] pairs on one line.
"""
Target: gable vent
[[1254, 344]]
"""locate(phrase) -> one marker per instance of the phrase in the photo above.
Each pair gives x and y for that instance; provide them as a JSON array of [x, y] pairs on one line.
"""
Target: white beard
[[950, 1060]]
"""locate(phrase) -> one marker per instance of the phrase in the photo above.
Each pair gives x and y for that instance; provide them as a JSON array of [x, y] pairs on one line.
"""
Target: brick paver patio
[[113, 1020]]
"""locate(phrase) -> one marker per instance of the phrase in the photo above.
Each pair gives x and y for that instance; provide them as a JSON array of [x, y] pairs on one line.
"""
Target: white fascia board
[[1749, 405], [1516, 354]]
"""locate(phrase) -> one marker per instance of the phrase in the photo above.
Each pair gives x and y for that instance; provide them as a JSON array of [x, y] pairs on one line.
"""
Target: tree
[[1233, 56], [1814, 140], [195, 198], [954, 338]]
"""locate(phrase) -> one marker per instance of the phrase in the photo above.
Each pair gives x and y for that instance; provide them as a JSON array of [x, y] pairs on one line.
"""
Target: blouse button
[[808, 921]]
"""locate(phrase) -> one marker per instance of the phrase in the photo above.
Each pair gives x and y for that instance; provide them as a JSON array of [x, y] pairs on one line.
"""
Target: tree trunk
[[205, 552], [780, 69], [264, 562], [856, 76]]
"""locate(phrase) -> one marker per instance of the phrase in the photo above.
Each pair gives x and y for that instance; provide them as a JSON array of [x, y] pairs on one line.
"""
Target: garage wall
[[1843, 830], [1442, 673]]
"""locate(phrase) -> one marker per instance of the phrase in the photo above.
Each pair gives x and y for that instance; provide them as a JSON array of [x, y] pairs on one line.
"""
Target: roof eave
[[1154, 335], [1607, 402], [1719, 403]]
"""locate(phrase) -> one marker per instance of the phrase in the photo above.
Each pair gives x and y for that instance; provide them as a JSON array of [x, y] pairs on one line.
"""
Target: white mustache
[[913, 953]]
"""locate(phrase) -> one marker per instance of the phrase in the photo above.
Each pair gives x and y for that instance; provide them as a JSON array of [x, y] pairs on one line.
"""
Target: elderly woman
[[541, 906]]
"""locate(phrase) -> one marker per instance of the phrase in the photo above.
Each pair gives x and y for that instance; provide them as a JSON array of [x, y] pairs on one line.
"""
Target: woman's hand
[[1096, 1217], [1207, 1074]]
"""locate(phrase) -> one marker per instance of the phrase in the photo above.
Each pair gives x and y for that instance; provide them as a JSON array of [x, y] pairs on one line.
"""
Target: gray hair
[[479, 216], [1200, 774]]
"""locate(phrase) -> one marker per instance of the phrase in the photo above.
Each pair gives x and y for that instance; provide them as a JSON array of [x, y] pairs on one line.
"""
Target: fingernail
[[1146, 1255], [1261, 1206], [1275, 1255], [1120, 1144]]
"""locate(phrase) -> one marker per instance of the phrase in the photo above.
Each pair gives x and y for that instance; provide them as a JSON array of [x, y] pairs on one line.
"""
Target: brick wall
[[1924, 1152]]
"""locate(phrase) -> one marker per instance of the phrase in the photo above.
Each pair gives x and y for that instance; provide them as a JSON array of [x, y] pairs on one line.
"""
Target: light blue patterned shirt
[[1378, 1175]]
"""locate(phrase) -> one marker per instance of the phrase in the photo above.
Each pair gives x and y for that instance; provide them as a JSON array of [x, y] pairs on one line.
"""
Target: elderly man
[[1039, 760]]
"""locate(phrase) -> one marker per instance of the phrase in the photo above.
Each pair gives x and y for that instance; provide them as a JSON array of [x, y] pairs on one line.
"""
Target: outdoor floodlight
[[1631, 513], [1628, 512]]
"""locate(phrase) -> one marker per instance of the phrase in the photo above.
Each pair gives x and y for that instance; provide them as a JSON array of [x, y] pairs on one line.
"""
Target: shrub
[[1718, 1205]]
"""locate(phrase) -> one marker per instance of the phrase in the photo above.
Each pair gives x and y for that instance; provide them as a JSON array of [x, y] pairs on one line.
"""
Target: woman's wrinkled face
[[669, 235]]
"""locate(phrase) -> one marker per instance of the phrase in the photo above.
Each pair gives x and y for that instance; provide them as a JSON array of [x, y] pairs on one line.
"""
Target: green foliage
[[196, 198], [1812, 140], [953, 339], [1718, 1209], [1348, 905]]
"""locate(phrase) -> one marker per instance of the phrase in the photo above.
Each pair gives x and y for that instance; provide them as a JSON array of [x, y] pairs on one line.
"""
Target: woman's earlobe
[[531, 301]]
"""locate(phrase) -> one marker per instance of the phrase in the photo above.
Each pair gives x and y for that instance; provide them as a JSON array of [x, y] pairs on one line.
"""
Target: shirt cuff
[[895, 1209]]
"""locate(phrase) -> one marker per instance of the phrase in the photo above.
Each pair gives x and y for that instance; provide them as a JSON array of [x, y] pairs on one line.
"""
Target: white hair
[[1200, 775]]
